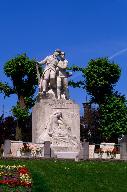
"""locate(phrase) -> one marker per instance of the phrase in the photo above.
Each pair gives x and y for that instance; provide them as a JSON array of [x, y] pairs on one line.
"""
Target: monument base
[[57, 121]]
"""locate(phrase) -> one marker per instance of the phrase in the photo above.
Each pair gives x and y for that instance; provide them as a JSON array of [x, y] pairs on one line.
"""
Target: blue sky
[[84, 29]]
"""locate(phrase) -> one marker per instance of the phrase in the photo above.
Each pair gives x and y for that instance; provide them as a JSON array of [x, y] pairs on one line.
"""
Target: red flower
[[23, 170], [25, 184], [12, 177]]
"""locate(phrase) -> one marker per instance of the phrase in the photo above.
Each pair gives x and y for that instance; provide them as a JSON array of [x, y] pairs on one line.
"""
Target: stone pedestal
[[86, 150], [123, 151], [7, 148], [57, 121], [47, 150]]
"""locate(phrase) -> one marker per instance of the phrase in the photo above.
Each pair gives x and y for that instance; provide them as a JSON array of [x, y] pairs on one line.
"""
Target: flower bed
[[15, 179], [30, 150], [109, 153]]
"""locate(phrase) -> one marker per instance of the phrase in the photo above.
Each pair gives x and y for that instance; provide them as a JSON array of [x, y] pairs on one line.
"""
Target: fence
[[26, 149], [104, 151], [97, 151]]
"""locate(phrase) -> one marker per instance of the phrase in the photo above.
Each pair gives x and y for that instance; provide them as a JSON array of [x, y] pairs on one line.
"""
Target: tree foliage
[[22, 72], [6, 89], [7, 128], [20, 113], [113, 117], [100, 77], [72, 83]]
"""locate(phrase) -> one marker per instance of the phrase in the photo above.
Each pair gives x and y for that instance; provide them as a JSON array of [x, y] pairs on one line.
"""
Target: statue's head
[[57, 52], [62, 54], [58, 114]]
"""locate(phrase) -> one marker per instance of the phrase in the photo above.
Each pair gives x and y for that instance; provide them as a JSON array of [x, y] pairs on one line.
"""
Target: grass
[[70, 176]]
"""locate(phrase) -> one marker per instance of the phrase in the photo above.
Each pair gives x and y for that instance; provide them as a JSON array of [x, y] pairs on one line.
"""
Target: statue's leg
[[52, 80], [58, 87], [45, 80], [65, 84], [41, 85], [44, 85]]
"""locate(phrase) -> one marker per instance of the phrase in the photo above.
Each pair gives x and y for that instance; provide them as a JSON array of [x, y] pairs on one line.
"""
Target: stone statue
[[56, 124], [54, 79], [62, 77], [49, 75], [55, 117], [60, 133], [51, 127]]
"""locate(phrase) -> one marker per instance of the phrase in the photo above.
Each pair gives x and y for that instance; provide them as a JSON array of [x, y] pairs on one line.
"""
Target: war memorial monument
[[55, 117]]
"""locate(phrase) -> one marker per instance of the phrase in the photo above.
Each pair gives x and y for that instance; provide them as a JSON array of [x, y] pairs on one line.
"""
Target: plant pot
[[26, 154]]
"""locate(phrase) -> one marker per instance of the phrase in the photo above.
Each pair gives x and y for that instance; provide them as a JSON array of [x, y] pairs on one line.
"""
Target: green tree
[[113, 117], [100, 77], [22, 72], [89, 124]]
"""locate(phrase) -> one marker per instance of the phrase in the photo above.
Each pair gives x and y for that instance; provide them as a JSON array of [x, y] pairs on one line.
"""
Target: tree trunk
[[18, 136], [22, 104]]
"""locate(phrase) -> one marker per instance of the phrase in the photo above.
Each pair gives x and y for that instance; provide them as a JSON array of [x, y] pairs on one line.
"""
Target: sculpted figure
[[51, 129], [62, 77], [49, 74], [58, 132], [55, 121]]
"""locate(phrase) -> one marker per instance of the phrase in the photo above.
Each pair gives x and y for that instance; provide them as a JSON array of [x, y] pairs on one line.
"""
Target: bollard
[[7, 148], [123, 151], [85, 150], [47, 149]]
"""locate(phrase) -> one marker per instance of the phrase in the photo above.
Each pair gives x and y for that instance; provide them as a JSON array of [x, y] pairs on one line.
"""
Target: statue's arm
[[63, 64], [44, 61], [60, 123]]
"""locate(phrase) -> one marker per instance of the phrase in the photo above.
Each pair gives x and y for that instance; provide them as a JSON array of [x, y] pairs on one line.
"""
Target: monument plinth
[[57, 121]]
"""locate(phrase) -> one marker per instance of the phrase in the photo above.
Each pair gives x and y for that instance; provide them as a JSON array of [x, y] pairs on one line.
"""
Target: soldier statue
[[49, 75], [55, 77], [62, 77]]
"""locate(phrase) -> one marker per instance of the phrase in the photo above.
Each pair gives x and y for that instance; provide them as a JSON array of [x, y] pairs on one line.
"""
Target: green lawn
[[70, 176]]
